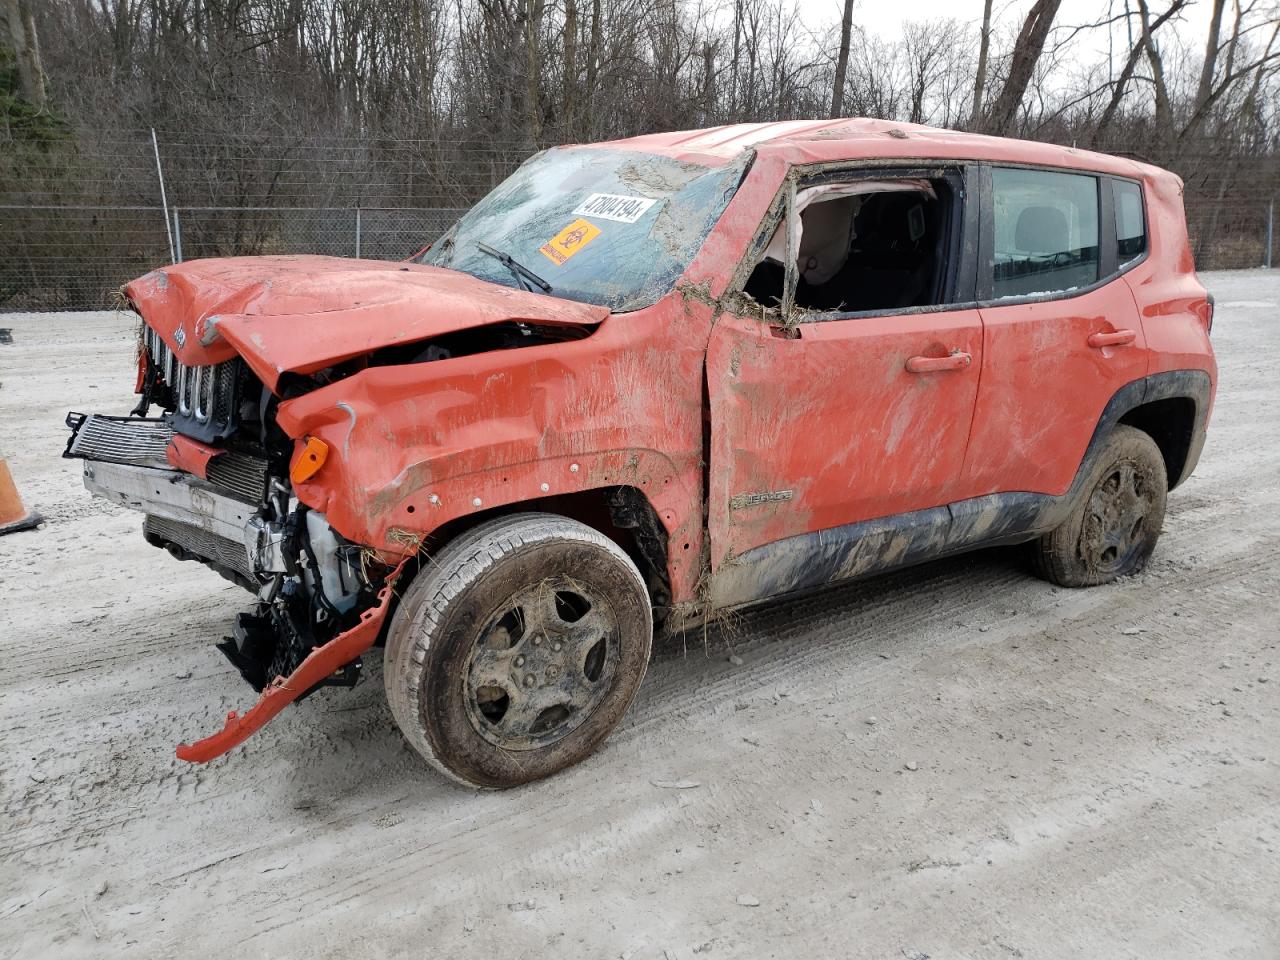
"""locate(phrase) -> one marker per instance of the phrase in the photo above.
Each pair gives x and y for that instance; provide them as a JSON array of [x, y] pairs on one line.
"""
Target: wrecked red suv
[[647, 380]]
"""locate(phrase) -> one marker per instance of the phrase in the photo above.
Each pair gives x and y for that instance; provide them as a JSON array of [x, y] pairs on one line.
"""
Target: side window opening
[[1046, 232], [1131, 229], [864, 245]]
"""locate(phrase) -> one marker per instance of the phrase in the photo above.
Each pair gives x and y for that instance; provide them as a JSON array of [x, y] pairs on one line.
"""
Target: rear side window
[[1131, 229], [1046, 232]]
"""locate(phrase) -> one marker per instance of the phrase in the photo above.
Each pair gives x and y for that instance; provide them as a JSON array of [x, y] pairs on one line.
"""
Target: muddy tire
[[1113, 528], [517, 649]]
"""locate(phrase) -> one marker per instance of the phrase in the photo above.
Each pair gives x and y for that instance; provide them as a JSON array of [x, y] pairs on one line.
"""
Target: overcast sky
[[886, 17]]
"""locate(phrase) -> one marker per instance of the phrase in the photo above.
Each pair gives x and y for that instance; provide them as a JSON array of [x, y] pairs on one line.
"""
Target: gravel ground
[[956, 761]]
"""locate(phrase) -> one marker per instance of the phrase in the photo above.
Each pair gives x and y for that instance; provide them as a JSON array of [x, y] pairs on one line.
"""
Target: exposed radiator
[[128, 440], [240, 475], [141, 443], [207, 546]]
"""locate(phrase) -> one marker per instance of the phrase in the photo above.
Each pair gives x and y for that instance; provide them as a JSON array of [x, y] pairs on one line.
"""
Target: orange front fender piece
[[321, 662]]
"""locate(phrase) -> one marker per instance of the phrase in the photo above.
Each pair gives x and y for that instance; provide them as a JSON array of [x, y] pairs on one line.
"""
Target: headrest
[[1042, 230]]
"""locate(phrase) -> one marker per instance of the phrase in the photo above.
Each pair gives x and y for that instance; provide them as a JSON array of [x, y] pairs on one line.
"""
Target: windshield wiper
[[523, 274]]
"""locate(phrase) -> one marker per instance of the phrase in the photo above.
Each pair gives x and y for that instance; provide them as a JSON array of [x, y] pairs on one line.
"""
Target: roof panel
[[813, 141]]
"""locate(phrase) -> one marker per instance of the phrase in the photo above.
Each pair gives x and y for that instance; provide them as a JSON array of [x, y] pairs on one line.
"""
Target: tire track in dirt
[[396, 867], [810, 617], [1064, 763]]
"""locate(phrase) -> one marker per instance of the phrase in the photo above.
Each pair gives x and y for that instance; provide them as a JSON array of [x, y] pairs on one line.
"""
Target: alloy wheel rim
[[541, 664], [1115, 521]]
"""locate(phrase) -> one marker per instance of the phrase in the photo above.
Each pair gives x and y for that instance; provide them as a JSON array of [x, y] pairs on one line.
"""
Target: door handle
[[1117, 338], [953, 361]]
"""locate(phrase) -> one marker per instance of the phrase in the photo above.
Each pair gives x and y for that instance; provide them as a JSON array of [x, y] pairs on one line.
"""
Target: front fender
[[416, 446]]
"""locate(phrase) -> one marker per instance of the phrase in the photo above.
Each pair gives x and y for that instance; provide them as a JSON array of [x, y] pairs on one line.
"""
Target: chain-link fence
[[76, 257], [83, 214], [80, 217]]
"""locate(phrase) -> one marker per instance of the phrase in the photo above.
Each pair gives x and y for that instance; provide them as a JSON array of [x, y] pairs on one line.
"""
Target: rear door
[[1061, 331]]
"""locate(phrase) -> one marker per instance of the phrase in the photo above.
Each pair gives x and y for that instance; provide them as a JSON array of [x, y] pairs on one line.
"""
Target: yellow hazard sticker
[[569, 241]]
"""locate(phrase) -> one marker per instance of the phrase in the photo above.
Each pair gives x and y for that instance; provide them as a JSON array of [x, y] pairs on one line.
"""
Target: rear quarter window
[[1131, 227], [1046, 232]]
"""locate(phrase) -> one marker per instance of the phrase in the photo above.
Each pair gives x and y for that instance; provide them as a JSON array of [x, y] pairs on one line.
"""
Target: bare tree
[[924, 47], [980, 75], [1164, 112], [1207, 96], [1120, 87], [842, 60], [532, 18], [1211, 47], [22, 37], [593, 61], [570, 105], [1026, 53]]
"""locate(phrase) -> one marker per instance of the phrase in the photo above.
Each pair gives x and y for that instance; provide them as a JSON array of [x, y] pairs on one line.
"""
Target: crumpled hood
[[301, 314]]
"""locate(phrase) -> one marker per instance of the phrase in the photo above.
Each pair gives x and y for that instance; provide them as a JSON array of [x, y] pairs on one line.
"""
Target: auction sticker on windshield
[[614, 206], [569, 241]]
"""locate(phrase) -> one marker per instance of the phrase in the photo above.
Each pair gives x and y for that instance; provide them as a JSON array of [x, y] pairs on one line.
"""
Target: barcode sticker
[[613, 206]]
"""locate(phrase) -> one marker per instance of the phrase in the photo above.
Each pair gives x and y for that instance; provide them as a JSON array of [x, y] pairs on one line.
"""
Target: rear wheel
[[1113, 530], [518, 650]]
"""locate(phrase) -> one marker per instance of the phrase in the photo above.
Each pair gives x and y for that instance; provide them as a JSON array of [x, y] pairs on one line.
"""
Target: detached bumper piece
[[321, 665], [195, 514]]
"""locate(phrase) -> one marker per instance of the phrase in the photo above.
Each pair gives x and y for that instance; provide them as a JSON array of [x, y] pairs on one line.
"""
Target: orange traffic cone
[[13, 515]]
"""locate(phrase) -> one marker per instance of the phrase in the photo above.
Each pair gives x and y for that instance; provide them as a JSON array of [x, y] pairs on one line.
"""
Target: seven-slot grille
[[204, 394]]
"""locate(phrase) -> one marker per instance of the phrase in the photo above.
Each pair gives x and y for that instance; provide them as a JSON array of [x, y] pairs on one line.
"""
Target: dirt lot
[[957, 761]]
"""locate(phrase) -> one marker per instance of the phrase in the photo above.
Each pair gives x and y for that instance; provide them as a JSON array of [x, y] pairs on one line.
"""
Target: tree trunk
[[1210, 52], [980, 78], [570, 67], [1164, 112], [593, 64], [532, 91], [1130, 65], [737, 53], [1026, 54], [842, 61], [26, 48], [708, 82]]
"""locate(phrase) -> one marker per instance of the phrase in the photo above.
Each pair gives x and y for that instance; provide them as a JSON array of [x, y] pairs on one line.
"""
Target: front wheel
[[1112, 531], [518, 649]]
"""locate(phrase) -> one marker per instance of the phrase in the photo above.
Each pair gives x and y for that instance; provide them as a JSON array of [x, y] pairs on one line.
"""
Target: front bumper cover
[[189, 513]]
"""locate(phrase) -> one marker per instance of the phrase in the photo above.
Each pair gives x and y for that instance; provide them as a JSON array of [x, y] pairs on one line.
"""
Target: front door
[[852, 420], [838, 434]]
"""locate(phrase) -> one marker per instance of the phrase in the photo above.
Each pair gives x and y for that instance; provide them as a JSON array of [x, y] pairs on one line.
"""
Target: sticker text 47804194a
[[614, 206]]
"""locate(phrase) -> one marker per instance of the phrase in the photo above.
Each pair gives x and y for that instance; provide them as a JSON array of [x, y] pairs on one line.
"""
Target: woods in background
[[429, 102]]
